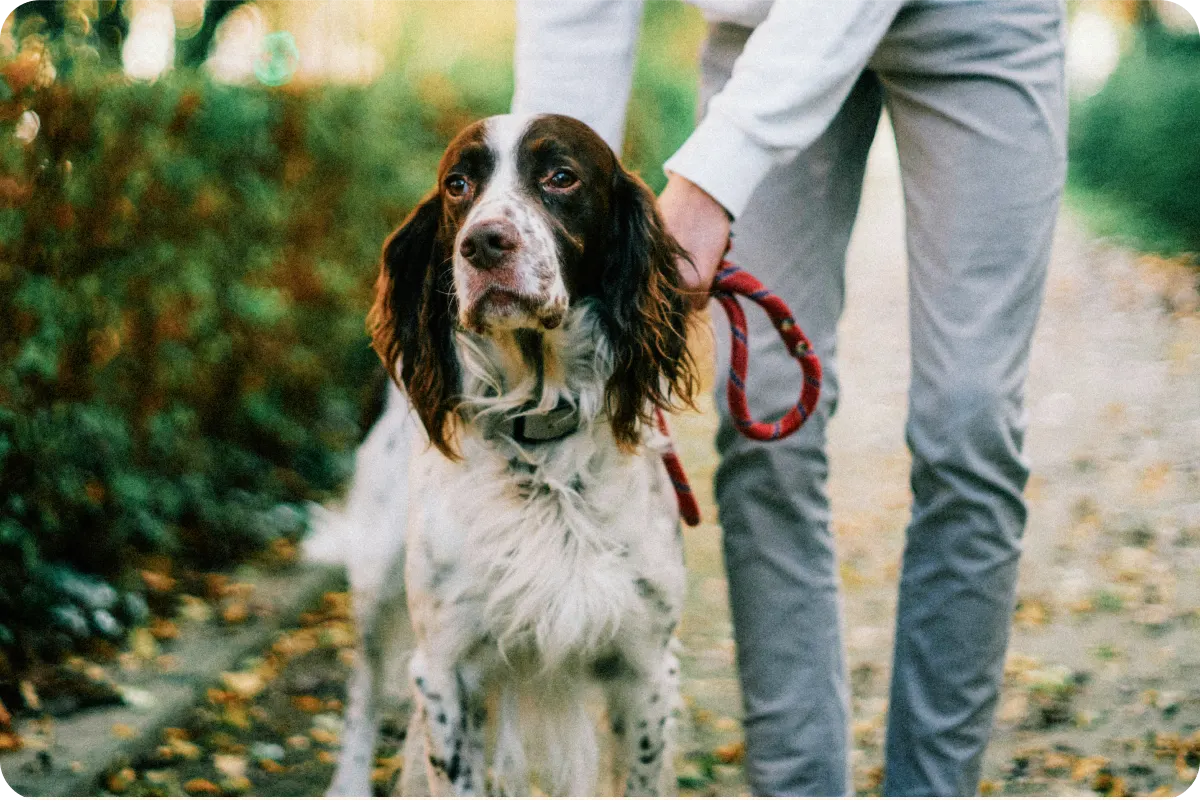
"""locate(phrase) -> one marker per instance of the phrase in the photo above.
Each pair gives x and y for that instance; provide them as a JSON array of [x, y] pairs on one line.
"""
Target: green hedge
[[184, 273], [1136, 143]]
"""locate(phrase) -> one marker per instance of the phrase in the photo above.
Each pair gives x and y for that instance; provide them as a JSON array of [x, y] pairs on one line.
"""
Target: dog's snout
[[488, 243]]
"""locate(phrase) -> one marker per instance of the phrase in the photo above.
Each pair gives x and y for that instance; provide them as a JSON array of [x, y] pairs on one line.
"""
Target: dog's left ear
[[645, 313]]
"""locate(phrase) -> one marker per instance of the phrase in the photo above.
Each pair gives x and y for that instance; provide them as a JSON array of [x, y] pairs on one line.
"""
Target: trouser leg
[[975, 94], [773, 505]]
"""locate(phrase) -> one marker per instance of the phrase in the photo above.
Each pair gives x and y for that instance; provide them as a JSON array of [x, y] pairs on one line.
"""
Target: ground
[[1102, 691]]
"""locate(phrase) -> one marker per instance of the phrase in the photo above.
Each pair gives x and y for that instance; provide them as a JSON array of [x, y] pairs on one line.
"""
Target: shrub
[[184, 273], [1138, 139]]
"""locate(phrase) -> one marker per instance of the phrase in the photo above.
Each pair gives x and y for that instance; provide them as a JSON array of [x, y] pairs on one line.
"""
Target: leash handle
[[730, 282]]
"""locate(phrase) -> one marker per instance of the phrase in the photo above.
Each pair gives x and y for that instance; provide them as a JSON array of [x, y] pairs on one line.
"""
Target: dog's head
[[530, 216]]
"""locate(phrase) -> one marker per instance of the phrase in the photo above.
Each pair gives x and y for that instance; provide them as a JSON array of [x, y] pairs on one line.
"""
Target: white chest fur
[[552, 556]]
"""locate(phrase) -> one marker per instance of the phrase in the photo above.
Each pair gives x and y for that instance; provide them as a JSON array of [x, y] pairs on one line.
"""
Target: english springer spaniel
[[531, 311]]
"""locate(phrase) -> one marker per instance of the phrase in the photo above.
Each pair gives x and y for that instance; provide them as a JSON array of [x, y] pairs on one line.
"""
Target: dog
[[531, 313]]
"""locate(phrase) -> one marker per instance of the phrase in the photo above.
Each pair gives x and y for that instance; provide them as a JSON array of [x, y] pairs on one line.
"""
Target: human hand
[[701, 225]]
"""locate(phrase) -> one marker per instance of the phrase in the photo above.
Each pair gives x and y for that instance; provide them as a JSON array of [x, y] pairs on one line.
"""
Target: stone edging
[[87, 741]]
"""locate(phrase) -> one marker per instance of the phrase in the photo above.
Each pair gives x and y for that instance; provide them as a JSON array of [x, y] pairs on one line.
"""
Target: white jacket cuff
[[723, 161]]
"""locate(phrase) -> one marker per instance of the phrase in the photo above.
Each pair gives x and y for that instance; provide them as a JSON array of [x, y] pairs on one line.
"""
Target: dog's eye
[[561, 179], [457, 186]]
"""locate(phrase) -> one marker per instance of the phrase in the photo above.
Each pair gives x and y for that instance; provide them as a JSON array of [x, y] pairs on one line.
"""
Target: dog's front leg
[[452, 712], [644, 704]]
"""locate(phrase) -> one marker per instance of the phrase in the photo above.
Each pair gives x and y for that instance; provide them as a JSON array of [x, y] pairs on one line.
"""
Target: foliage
[[1135, 145], [184, 272]]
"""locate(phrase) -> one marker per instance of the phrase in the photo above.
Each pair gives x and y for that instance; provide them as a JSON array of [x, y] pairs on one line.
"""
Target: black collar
[[532, 429]]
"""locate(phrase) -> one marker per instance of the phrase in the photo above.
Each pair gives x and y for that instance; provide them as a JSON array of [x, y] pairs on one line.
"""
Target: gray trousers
[[976, 96]]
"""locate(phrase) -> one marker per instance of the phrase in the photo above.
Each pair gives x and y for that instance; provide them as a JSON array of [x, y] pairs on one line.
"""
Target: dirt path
[[1105, 656]]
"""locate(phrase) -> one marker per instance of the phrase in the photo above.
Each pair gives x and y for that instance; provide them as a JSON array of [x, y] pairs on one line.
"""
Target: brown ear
[[412, 320], [645, 313]]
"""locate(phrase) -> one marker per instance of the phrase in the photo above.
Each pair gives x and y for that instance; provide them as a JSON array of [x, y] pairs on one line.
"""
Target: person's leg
[[773, 507], [975, 92]]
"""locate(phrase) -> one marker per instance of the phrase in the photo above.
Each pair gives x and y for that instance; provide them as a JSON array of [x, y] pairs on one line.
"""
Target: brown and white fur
[[536, 273]]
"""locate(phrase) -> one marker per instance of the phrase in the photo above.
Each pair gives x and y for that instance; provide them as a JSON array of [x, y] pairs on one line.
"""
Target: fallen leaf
[[323, 736], [185, 749], [865, 733], [299, 742], [201, 787], [1056, 763], [1031, 612], [235, 715], [731, 753], [194, 609], [164, 629], [246, 684], [1183, 770], [29, 696], [123, 731], [235, 613], [230, 764], [308, 704], [1087, 767], [237, 784], [326, 758], [157, 582], [120, 781]]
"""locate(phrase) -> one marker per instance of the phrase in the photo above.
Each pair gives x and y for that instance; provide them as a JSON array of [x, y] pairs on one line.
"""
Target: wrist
[[694, 192]]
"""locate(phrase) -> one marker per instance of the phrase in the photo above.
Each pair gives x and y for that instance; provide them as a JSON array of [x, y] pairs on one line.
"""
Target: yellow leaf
[[730, 753], [1087, 767], [123, 731], [246, 685]]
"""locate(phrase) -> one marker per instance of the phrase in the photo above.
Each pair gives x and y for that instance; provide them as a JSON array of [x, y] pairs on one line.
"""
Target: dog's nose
[[487, 243]]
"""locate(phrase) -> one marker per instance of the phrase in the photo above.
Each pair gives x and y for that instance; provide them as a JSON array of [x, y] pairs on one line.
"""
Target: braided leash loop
[[731, 281]]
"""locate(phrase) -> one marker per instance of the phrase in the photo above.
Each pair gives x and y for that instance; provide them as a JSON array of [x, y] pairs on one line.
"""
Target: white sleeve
[[576, 57], [791, 79]]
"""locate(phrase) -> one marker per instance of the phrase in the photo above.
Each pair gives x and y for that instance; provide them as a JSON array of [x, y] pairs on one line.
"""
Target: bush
[[184, 274], [1138, 140]]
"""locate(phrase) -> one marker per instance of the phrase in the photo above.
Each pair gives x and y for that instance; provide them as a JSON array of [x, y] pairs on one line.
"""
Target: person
[[791, 95]]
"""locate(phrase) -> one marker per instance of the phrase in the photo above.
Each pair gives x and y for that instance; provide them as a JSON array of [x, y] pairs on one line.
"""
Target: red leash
[[731, 281]]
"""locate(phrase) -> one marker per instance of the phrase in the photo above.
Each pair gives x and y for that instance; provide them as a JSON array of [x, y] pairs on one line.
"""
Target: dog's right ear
[[412, 320]]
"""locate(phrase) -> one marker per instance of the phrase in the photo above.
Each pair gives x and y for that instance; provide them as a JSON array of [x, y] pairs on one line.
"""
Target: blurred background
[[192, 200]]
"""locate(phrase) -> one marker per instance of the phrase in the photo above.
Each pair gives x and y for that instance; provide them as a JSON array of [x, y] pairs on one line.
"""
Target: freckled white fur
[[503, 198], [521, 578]]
